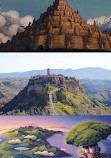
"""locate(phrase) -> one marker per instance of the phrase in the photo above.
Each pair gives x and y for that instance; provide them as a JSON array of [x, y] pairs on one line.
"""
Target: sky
[[87, 8], [50, 122], [20, 62]]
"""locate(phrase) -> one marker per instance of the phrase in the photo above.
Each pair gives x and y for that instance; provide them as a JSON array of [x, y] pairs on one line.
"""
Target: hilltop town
[[60, 81], [59, 28], [53, 95]]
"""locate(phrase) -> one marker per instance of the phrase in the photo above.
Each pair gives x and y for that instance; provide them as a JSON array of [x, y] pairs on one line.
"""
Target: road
[[16, 154], [53, 112]]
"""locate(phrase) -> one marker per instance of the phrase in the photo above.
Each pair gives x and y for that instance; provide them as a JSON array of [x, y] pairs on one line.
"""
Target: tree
[[88, 133]]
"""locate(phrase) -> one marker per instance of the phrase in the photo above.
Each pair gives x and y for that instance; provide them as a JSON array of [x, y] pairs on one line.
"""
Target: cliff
[[69, 99], [59, 28]]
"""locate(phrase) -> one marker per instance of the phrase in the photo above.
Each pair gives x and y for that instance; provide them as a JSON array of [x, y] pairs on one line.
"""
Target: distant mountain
[[83, 73]]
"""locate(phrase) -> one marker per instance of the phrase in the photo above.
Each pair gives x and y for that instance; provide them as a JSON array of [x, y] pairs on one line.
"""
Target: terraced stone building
[[59, 28]]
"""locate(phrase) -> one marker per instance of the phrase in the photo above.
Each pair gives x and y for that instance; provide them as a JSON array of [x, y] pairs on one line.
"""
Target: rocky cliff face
[[59, 28]]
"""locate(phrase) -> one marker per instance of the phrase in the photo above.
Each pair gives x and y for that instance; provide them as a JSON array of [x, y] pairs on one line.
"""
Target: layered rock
[[59, 28]]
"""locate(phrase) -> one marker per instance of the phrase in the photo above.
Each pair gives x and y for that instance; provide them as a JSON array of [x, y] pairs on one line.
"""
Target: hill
[[68, 98], [98, 90], [83, 73], [33, 142], [10, 88]]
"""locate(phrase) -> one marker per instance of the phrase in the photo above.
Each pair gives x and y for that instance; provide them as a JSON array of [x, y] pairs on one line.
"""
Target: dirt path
[[53, 112]]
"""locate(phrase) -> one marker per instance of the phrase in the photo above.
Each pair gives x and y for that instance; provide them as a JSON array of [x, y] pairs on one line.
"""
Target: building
[[59, 28]]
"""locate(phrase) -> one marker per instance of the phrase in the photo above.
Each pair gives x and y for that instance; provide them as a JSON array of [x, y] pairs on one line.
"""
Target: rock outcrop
[[59, 28], [90, 152], [95, 156]]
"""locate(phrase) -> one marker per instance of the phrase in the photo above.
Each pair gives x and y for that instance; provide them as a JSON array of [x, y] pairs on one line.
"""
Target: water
[[3, 137], [22, 148], [58, 140]]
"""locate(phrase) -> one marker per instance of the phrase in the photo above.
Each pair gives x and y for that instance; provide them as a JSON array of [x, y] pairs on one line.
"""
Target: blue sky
[[88, 8], [20, 62]]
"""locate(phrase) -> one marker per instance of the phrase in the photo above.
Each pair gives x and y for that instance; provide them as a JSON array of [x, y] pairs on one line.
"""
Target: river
[[58, 140]]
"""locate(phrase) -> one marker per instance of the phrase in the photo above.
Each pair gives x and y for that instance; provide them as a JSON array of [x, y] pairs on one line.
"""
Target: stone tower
[[59, 28], [48, 71]]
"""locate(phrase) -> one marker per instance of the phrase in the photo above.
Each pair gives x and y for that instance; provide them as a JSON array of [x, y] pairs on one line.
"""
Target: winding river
[[58, 140]]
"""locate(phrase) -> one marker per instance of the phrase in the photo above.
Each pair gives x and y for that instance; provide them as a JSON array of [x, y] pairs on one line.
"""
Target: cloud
[[44, 153], [62, 149], [30, 123], [12, 30], [31, 137], [61, 128], [103, 22], [18, 141], [25, 20], [11, 23], [2, 21]]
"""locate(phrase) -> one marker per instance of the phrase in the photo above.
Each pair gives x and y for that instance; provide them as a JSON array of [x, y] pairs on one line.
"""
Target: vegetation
[[38, 142], [9, 87], [82, 152], [98, 90], [88, 133], [36, 101], [67, 103], [64, 109]]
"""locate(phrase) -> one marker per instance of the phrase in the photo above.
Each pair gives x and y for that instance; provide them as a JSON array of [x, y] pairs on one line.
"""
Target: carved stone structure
[[59, 27]]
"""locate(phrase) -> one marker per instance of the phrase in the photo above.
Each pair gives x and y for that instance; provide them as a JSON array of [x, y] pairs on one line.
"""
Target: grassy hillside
[[67, 103], [91, 102], [10, 88], [35, 139]]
